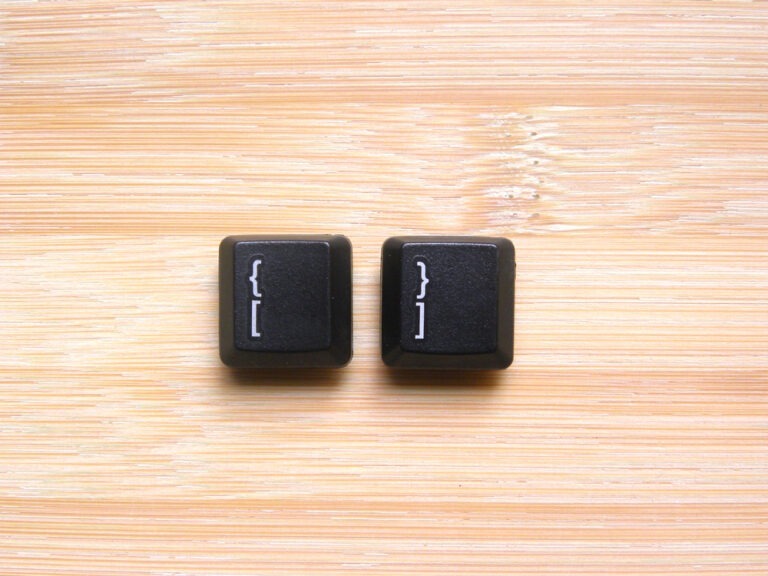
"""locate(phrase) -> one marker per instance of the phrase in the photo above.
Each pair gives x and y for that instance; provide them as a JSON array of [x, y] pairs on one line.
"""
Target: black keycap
[[447, 302], [285, 301]]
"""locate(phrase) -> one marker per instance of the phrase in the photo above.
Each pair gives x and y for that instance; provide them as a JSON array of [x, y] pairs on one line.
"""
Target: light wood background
[[622, 146]]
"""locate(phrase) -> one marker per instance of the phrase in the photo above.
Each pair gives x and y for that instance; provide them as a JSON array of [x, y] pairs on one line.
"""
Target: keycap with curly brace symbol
[[285, 301], [447, 302]]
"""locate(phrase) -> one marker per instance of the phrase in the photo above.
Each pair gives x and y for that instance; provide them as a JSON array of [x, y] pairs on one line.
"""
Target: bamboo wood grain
[[622, 146]]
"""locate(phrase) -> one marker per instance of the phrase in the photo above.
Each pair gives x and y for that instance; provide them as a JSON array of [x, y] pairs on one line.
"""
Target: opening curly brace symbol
[[420, 298]]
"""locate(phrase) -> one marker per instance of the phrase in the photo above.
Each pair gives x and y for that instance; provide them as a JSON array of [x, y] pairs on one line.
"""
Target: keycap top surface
[[449, 298], [293, 302]]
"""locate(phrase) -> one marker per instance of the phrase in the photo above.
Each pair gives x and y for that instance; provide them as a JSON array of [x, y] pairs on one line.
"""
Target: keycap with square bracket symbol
[[447, 302], [285, 301]]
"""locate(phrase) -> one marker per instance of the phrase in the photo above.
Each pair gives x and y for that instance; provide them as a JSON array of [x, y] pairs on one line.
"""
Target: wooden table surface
[[622, 146]]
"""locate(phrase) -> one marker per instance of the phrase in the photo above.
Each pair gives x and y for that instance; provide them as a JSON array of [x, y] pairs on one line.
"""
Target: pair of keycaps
[[446, 301]]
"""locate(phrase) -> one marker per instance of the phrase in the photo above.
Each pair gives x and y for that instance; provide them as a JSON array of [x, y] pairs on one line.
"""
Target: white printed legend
[[420, 303], [255, 299]]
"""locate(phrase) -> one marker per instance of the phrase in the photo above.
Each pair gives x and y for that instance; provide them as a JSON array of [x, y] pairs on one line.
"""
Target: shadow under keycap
[[446, 379], [288, 377]]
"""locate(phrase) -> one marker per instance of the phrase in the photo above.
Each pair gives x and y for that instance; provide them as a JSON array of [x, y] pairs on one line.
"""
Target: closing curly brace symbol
[[420, 303]]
